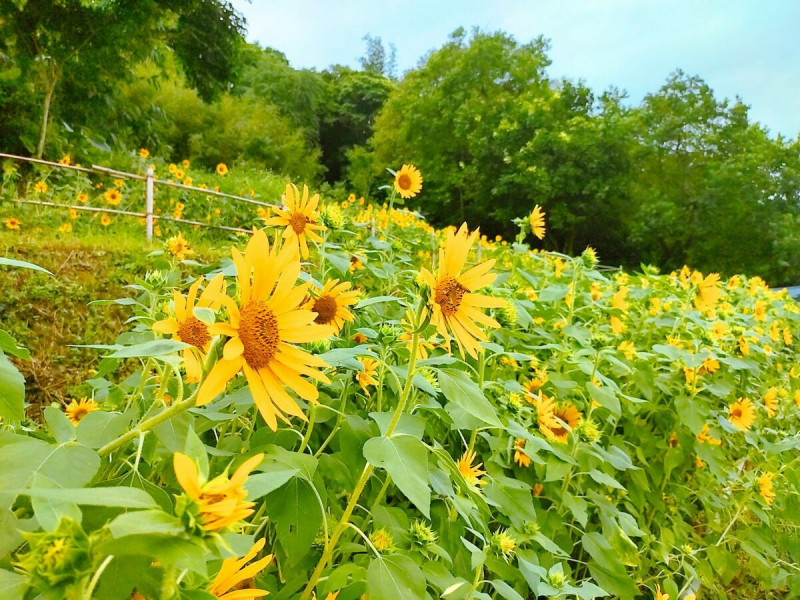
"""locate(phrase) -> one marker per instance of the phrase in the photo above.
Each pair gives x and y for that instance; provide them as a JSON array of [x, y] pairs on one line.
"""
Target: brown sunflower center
[[404, 182], [193, 331], [258, 330], [298, 222], [736, 413], [325, 307], [79, 412], [448, 295]]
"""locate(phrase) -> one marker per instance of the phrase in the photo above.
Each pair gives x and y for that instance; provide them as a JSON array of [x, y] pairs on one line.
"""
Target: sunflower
[[659, 595], [454, 306], [178, 246], [82, 197], [471, 473], [522, 459], [408, 181], [557, 420], [40, 187], [144, 152], [12, 223], [742, 414], [187, 328], [65, 227], [536, 220], [79, 409], [300, 217], [221, 501], [269, 319], [234, 575], [331, 304], [771, 401], [222, 169], [705, 437], [105, 220], [366, 377], [766, 488], [113, 197]]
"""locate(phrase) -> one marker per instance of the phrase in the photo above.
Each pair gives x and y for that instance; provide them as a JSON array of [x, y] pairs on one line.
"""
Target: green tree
[[94, 45]]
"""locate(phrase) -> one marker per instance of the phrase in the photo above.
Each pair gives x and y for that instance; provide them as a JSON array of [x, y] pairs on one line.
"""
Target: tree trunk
[[52, 80]]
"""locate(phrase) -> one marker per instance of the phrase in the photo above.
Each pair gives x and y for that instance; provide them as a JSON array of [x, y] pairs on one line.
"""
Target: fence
[[150, 182]]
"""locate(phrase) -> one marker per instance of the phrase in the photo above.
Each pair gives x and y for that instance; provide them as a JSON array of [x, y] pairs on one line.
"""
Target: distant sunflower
[[113, 197], [557, 420], [40, 187], [536, 219], [742, 414], [79, 409], [12, 223], [235, 576], [471, 473], [766, 487], [408, 181], [263, 327], [366, 377], [185, 327], [331, 304], [454, 305], [222, 169], [299, 217], [105, 220]]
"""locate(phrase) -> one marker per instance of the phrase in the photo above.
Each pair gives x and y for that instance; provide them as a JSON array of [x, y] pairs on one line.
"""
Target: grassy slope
[[47, 314]]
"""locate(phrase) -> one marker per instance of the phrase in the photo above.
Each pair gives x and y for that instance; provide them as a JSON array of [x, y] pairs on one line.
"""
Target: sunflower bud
[[507, 315], [422, 535], [332, 216], [590, 430], [382, 540], [59, 557]]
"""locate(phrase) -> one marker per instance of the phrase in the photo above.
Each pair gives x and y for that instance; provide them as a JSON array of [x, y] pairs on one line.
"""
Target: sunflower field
[[356, 405]]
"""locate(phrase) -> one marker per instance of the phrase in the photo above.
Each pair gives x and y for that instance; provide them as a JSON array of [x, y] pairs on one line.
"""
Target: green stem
[[309, 429], [96, 577], [148, 424], [344, 522]]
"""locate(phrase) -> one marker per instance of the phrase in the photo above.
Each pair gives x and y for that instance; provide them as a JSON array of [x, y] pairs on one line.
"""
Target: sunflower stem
[[344, 522], [148, 424], [309, 429]]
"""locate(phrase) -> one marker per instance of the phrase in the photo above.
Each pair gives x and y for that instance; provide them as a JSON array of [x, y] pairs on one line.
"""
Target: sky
[[749, 49]]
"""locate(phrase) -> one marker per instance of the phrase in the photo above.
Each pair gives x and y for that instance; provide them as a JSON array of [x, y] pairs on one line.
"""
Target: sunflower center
[[79, 412], [193, 331], [404, 182], [258, 330], [449, 294], [736, 413], [298, 222], [325, 307]]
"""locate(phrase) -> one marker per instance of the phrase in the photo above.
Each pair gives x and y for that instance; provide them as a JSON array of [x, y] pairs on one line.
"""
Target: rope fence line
[[129, 213], [150, 181]]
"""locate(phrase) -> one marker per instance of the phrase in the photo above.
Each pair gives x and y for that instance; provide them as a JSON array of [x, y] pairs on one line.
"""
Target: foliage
[[641, 477]]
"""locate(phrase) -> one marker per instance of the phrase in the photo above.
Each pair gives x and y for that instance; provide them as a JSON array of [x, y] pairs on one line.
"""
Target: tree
[[96, 43]]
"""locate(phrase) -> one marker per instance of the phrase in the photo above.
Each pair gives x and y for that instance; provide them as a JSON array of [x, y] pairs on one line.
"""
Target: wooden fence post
[[149, 203]]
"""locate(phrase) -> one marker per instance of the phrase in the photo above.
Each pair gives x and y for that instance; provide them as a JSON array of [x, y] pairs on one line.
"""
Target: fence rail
[[150, 180]]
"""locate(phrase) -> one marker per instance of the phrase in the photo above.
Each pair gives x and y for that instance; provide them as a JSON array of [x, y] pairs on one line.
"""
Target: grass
[[49, 314]]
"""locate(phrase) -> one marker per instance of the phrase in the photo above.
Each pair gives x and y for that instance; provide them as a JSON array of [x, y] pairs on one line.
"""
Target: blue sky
[[744, 48]]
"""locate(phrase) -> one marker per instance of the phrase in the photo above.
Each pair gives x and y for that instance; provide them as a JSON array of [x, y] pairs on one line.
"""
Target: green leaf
[[50, 511], [98, 428], [298, 516], [378, 300], [59, 425], [70, 464], [10, 262], [145, 521], [605, 397], [167, 549], [513, 497], [605, 479], [12, 391], [606, 567], [505, 590], [554, 293], [406, 460], [278, 467], [151, 348], [12, 585], [462, 391], [395, 577], [9, 346], [121, 497]]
